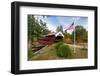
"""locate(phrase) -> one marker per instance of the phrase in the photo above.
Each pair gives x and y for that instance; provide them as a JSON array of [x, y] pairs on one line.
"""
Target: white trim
[[59, 33]]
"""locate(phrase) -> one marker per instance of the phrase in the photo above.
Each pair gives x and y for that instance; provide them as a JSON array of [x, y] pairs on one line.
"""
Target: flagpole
[[74, 40]]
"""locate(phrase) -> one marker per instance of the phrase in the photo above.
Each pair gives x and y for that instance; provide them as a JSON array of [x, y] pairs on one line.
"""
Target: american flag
[[70, 27]]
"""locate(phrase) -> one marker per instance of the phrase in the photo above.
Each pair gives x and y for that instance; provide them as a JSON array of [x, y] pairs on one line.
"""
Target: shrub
[[64, 51], [58, 45]]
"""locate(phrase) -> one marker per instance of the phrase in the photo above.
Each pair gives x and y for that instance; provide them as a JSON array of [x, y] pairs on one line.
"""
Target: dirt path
[[77, 46], [46, 53]]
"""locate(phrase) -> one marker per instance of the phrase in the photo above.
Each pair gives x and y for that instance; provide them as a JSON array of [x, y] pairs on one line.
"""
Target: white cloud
[[75, 19], [86, 27], [45, 19], [51, 27]]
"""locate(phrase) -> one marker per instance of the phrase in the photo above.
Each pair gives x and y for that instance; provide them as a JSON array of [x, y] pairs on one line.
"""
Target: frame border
[[15, 33]]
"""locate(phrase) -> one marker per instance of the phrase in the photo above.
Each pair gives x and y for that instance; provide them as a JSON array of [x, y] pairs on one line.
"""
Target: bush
[[58, 45], [64, 51]]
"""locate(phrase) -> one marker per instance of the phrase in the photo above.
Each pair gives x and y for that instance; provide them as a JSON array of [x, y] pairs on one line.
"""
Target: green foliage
[[30, 54], [59, 29], [81, 34], [63, 50], [36, 28], [58, 45]]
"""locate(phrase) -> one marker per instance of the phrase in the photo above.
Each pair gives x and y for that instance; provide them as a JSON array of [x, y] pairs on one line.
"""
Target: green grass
[[30, 54], [56, 51]]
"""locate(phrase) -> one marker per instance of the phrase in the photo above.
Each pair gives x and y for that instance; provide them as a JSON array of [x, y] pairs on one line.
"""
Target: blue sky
[[65, 21]]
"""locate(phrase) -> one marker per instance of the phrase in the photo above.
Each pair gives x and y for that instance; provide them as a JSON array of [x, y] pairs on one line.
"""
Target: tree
[[67, 38], [80, 34], [44, 29], [59, 29], [36, 29]]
